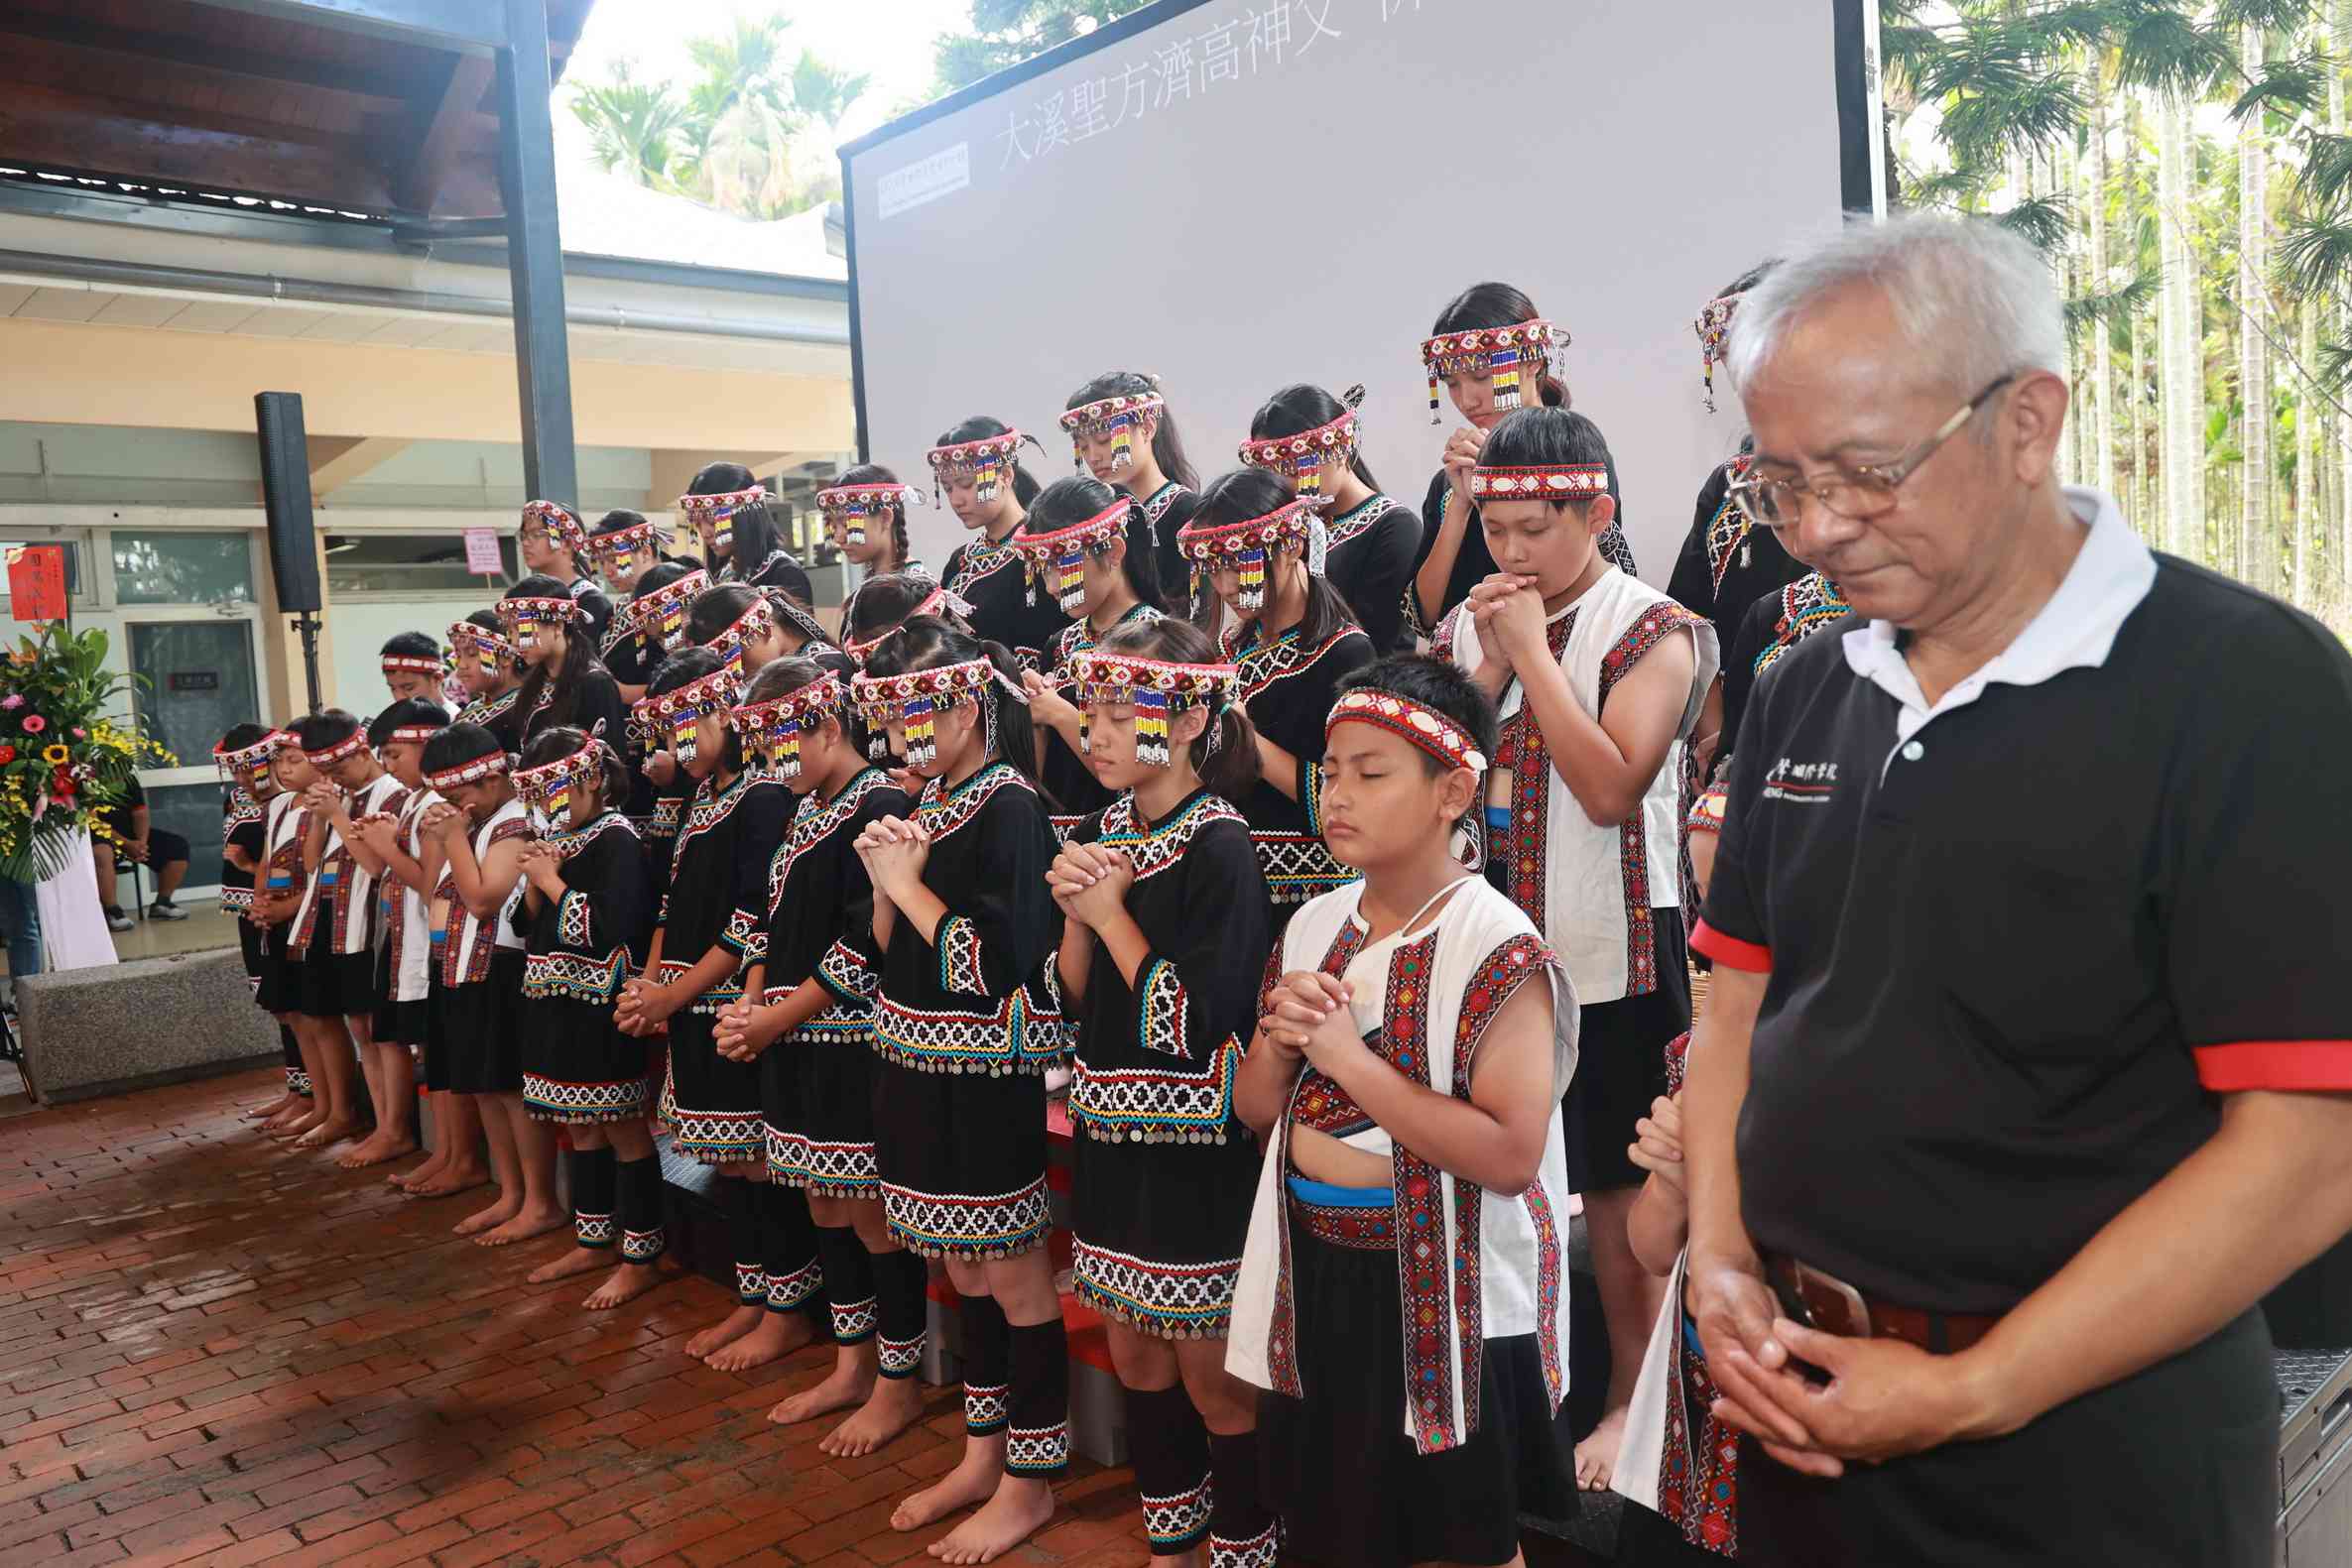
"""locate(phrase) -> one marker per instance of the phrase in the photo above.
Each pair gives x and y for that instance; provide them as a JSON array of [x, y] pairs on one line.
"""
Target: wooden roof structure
[[354, 108]]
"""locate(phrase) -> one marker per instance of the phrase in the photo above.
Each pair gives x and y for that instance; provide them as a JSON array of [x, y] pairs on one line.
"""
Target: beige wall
[[79, 374]]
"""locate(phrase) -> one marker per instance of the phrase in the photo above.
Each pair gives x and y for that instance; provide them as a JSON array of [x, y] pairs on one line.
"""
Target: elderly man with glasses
[[2023, 1076]]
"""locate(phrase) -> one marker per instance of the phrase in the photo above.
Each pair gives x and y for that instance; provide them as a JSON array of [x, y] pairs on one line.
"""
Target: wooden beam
[[442, 119], [337, 460], [192, 58], [204, 149], [446, 24]]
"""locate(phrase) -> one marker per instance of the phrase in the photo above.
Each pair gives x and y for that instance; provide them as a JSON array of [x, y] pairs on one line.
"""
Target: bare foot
[[1021, 1507], [448, 1182], [576, 1261], [262, 1113], [373, 1152], [417, 1175], [973, 1480], [895, 1405], [848, 1383], [776, 1334], [523, 1223], [326, 1134], [499, 1212], [1596, 1456], [625, 1283], [726, 1330], [287, 1132]]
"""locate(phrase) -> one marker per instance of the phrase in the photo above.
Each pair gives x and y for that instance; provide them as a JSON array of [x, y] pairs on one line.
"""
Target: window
[[409, 563], [180, 568]]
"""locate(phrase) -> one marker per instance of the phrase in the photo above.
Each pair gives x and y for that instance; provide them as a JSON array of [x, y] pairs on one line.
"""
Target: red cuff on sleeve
[[2310, 1065], [1730, 951]]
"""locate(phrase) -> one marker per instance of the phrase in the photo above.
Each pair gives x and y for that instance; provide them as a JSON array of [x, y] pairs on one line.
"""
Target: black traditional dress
[[818, 1081], [1288, 689], [597, 709], [991, 576], [1373, 548], [965, 1025], [1167, 509], [779, 570], [1075, 790], [1770, 627], [242, 828], [1165, 1173], [497, 715], [578, 1066], [718, 898], [1727, 563], [595, 605]]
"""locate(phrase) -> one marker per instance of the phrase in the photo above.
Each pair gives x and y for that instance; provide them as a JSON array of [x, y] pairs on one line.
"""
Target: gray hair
[[1975, 301]]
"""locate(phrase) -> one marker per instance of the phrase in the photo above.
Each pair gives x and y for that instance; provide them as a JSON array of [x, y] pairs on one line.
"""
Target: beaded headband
[[1244, 546], [1508, 353], [351, 745], [613, 543], [245, 759], [1116, 417], [720, 509], [412, 665], [756, 622], [852, 505], [661, 614], [485, 644], [562, 523], [530, 614], [413, 734], [915, 698], [1157, 688], [487, 766], [1423, 727], [772, 730], [1556, 482], [1713, 328], [986, 463], [550, 784], [1065, 551], [1706, 812], [672, 715], [1305, 458], [933, 602]]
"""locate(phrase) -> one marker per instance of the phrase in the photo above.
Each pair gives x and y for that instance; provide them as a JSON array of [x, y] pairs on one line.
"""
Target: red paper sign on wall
[[36, 582]]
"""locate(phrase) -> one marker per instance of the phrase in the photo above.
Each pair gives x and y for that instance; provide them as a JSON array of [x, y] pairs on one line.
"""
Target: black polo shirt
[[2017, 951]]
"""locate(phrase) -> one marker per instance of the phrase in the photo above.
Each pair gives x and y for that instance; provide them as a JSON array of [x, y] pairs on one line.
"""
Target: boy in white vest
[[1599, 678]]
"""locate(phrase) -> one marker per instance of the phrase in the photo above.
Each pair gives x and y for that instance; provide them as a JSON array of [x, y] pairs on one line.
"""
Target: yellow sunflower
[[56, 756]]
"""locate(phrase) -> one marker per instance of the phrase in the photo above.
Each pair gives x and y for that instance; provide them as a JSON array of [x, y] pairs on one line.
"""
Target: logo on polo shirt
[[1802, 783]]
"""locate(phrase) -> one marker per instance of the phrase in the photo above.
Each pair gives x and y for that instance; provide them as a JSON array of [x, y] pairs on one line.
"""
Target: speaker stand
[[308, 626]]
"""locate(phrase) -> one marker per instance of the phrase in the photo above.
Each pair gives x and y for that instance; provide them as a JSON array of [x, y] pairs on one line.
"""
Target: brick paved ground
[[213, 1351]]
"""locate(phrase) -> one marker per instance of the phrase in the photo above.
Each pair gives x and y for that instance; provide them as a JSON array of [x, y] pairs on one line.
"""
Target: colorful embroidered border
[[613, 543], [1508, 353], [772, 730], [562, 523], [487, 766], [1706, 812], [351, 745], [528, 612], [550, 784], [1420, 726], [1248, 544], [1306, 457], [661, 614], [412, 665], [234, 765], [914, 697], [1169, 1300], [1065, 550], [986, 463], [1561, 482], [671, 715], [1094, 418], [723, 505], [483, 644], [939, 600], [757, 622]]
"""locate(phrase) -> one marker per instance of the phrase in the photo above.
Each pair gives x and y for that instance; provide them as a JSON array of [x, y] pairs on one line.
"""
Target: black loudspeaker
[[286, 493]]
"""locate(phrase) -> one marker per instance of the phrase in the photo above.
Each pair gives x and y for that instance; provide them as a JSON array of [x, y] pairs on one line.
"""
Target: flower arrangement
[[61, 762]]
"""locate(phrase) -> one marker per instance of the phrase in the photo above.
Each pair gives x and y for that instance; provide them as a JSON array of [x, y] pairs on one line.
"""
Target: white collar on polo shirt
[[2075, 630]]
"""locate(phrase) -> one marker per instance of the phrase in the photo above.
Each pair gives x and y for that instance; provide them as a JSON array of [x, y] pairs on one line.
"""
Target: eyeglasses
[[1859, 492]]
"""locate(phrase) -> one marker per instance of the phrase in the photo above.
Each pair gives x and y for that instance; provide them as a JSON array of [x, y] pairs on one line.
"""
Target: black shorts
[[336, 985], [163, 848], [1621, 1067]]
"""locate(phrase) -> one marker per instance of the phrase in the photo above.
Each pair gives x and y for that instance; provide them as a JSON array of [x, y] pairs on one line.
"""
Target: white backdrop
[[1252, 192]]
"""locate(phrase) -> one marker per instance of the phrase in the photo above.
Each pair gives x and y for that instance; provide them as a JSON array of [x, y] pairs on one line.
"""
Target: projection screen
[[1237, 195]]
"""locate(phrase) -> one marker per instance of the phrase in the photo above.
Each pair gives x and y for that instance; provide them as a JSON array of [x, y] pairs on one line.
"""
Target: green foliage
[[750, 134], [2106, 312], [2045, 220], [1004, 32]]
